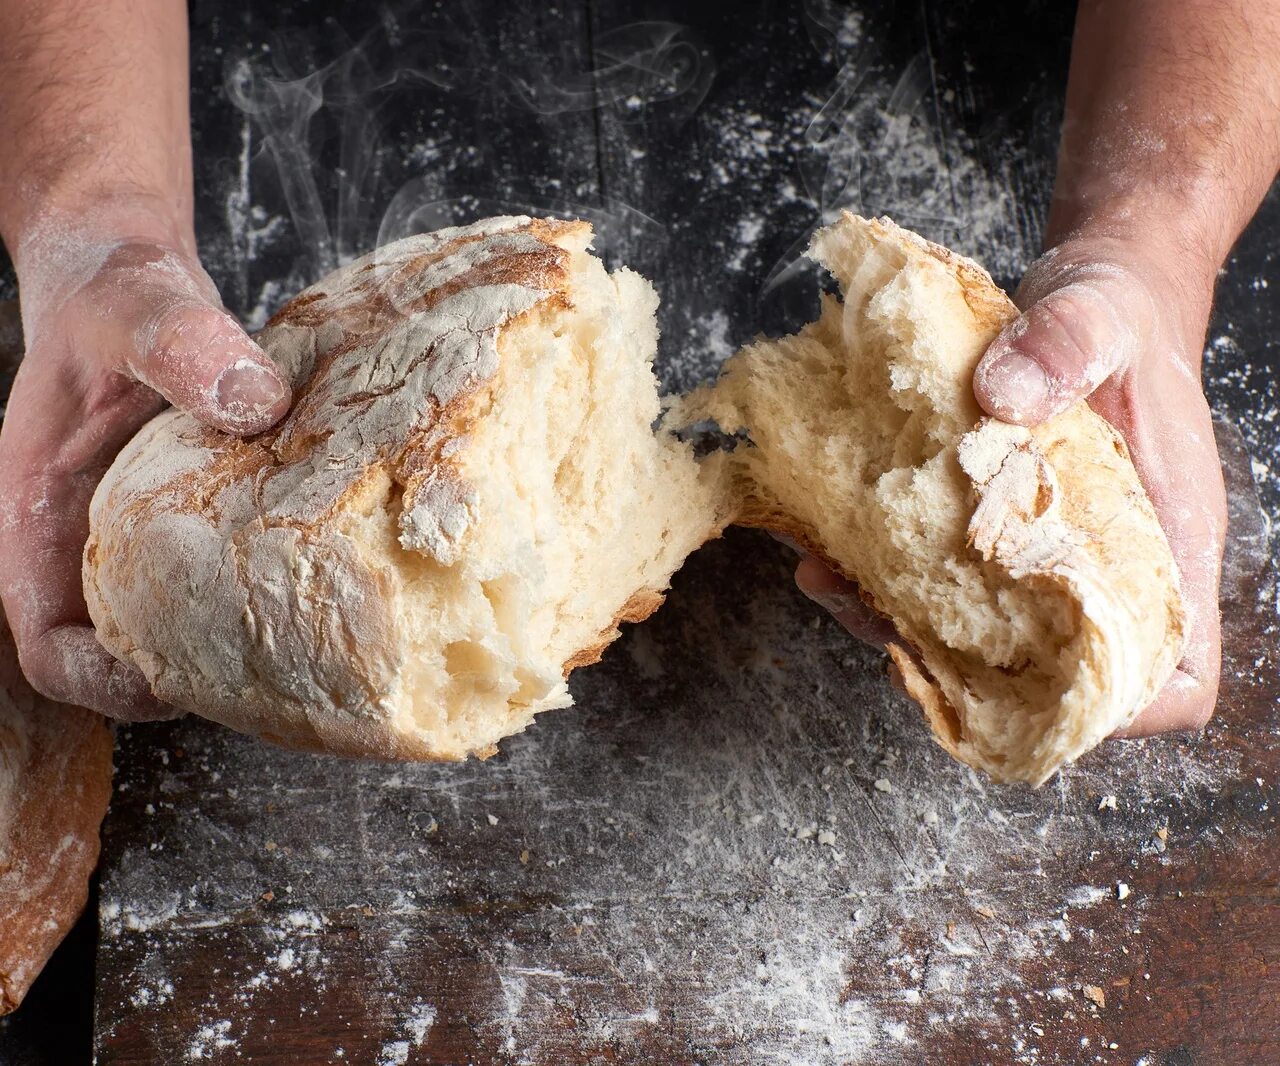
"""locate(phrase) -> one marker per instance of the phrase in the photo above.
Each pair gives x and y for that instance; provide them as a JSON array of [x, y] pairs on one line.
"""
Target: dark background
[[707, 144]]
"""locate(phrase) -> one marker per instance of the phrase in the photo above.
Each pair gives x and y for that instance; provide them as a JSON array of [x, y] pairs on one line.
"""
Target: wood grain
[[593, 894]]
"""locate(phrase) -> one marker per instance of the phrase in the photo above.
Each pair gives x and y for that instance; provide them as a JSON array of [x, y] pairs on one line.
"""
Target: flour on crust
[[465, 500]]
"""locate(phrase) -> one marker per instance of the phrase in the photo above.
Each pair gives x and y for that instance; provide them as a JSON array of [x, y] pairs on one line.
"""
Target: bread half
[[1033, 592], [55, 783], [466, 499]]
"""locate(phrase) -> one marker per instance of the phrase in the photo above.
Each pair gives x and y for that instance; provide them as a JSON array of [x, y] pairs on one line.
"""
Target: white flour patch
[[152, 995], [209, 1040], [414, 1028], [711, 333], [395, 1053], [421, 1018]]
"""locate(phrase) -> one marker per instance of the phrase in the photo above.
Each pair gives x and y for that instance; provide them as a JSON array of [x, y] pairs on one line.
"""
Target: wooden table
[[649, 878], [741, 846]]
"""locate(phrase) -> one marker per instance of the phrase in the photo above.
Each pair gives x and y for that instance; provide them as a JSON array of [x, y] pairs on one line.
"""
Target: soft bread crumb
[[578, 514], [466, 499], [1033, 591]]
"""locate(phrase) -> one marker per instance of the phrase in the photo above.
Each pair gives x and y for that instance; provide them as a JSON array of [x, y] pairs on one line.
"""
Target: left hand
[[1118, 322]]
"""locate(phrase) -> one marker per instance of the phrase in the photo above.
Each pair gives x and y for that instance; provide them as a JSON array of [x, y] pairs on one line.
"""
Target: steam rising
[[874, 142], [878, 145], [617, 225], [648, 61], [292, 116]]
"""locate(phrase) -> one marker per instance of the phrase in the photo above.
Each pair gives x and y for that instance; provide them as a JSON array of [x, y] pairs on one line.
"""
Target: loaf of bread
[[469, 495], [466, 499], [55, 782], [1033, 593]]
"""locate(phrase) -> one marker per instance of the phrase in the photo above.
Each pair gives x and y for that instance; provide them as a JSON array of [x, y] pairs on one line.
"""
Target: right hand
[[115, 326]]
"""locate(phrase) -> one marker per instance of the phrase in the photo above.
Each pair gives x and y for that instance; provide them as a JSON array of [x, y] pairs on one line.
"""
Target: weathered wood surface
[[741, 846], [643, 879]]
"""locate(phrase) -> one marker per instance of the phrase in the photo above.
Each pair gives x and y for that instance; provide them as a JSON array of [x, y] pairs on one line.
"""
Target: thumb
[[198, 358], [1082, 323], [159, 315]]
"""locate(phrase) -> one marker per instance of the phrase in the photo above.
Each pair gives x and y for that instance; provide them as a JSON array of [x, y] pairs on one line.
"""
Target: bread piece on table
[[1033, 591], [55, 782], [464, 502]]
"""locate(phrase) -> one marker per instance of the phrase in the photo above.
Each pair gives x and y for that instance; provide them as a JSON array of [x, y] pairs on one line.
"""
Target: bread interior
[[853, 426], [580, 511]]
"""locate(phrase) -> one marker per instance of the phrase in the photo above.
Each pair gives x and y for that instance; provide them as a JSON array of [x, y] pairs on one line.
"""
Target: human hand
[[115, 325], [1171, 138], [1121, 323]]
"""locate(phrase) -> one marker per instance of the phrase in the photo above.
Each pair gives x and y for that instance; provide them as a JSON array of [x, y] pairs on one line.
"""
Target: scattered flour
[[209, 1040], [395, 1053]]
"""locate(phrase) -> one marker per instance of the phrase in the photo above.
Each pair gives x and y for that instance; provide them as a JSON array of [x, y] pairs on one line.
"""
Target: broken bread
[[466, 499], [55, 784], [1033, 592], [470, 494]]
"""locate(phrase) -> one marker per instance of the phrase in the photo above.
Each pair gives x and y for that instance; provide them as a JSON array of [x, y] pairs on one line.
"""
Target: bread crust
[[219, 567], [639, 607], [55, 783]]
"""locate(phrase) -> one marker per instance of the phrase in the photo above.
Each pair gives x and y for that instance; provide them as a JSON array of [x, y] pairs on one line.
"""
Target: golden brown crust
[[756, 513], [191, 531], [992, 309], [55, 783], [641, 604], [910, 675]]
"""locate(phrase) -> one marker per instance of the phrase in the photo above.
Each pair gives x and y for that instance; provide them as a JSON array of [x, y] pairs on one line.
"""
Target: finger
[[845, 603], [199, 359], [160, 318], [68, 664], [1081, 326]]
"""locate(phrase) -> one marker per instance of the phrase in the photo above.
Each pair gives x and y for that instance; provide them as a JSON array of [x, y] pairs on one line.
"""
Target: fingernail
[[245, 391], [783, 538], [835, 602], [1015, 383]]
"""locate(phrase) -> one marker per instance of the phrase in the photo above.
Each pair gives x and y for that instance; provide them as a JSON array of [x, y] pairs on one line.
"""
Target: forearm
[[95, 116], [1172, 126]]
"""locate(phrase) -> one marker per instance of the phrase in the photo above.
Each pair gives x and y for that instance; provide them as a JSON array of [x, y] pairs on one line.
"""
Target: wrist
[[71, 214], [62, 245], [1194, 236]]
